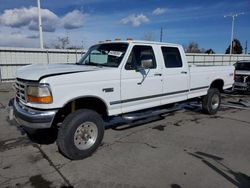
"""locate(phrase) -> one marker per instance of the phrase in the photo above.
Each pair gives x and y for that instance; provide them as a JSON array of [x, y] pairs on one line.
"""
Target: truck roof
[[141, 42]]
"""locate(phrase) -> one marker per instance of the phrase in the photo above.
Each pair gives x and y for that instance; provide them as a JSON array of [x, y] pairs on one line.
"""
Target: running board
[[149, 113]]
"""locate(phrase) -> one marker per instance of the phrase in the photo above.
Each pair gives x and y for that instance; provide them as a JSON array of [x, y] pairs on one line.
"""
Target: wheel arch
[[218, 83], [88, 102]]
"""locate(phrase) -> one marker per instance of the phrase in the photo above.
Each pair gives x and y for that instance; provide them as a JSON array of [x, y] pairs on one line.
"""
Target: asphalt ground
[[184, 149]]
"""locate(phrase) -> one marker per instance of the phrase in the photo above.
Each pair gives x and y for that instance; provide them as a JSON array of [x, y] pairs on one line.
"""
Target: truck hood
[[39, 71]]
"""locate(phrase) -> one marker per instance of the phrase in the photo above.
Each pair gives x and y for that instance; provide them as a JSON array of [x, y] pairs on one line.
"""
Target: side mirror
[[147, 63]]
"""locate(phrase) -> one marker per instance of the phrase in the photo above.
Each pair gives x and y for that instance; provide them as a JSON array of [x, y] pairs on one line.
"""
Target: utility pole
[[40, 23], [161, 34], [232, 30]]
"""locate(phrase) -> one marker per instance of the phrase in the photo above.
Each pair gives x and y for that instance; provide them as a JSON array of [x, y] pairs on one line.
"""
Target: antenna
[[161, 34]]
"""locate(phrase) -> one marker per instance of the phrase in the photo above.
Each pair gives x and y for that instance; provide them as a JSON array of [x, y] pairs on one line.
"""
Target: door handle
[[157, 74], [183, 72]]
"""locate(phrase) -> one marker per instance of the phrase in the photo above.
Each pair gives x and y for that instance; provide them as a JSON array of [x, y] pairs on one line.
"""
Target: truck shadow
[[44, 136], [240, 180], [49, 136], [119, 124]]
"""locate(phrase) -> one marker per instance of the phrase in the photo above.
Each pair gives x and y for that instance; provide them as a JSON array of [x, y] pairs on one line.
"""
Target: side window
[[139, 53], [172, 57]]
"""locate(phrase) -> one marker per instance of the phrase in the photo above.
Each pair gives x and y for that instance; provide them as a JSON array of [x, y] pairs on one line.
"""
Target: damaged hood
[[38, 71]]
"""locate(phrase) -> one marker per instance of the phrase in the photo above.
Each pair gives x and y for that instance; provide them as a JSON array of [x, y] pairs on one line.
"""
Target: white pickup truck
[[131, 79]]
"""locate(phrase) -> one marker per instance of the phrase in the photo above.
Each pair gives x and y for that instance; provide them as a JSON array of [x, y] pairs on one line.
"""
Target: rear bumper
[[31, 118], [241, 86]]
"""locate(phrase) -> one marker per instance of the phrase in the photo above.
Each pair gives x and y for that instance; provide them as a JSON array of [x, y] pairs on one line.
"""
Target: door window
[[172, 57], [138, 54]]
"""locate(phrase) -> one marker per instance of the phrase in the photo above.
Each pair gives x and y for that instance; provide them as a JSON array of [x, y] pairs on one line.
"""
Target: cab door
[[141, 87], [175, 75]]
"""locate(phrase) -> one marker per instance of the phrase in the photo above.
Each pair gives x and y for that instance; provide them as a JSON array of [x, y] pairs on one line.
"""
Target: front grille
[[20, 91]]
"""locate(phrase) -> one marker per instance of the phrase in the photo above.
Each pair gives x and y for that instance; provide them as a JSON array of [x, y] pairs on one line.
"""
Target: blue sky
[[86, 22]]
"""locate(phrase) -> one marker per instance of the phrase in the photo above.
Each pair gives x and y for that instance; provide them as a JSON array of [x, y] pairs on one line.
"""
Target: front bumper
[[31, 118]]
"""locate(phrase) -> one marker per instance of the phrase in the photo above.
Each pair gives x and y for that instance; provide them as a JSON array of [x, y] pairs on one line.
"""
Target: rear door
[[175, 75], [140, 89]]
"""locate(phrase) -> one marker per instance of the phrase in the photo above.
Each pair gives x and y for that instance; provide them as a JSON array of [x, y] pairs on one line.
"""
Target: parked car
[[242, 76], [130, 79]]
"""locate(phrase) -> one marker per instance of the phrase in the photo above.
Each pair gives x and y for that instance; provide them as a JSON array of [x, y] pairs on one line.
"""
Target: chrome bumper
[[31, 118]]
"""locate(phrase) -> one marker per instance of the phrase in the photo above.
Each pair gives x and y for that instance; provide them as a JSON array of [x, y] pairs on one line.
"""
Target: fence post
[[67, 56], [47, 56], [0, 76], [76, 55]]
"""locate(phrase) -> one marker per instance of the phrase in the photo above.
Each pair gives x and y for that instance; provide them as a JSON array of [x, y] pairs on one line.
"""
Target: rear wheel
[[80, 134], [211, 102]]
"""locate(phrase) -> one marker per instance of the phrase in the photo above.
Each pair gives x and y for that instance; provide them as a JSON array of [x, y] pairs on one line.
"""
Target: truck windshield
[[242, 66], [109, 55]]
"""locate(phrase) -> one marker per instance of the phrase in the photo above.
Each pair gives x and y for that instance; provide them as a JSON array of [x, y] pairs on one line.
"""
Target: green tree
[[237, 48], [210, 51]]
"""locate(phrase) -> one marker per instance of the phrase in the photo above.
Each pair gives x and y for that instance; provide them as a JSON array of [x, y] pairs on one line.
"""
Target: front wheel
[[80, 134], [211, 102]]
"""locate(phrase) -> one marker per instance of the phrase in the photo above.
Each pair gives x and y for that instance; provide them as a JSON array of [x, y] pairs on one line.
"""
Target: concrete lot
[[183, 149]]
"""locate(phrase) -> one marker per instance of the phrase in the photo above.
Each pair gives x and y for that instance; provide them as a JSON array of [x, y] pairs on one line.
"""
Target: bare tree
[[61, 43], [148, 36], [75, 47], [193, 47]]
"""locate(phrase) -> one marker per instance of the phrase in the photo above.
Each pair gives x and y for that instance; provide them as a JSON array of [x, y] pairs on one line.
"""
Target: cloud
[[32, 36], [17, 40], [159, 11], [22, 17], [73, 20], [15, 32], [27, 17], [135, 20]]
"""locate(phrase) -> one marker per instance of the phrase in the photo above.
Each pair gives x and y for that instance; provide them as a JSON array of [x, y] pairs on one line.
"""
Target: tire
[[80, 134], [211, 102]]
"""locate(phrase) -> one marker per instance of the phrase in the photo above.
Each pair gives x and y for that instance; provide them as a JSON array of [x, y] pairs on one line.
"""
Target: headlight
[[39, 94]]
